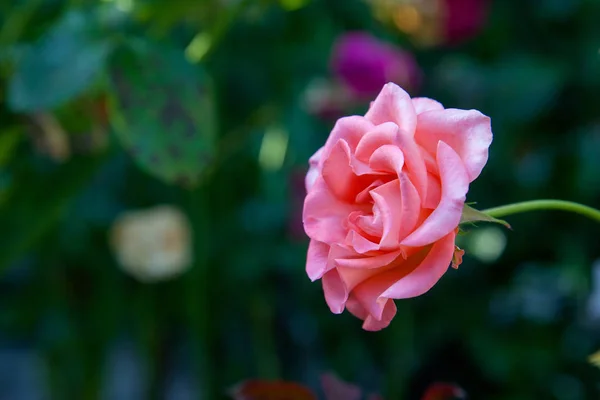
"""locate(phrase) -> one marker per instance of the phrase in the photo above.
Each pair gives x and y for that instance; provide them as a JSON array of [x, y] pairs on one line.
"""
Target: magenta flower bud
[[364, 64], [464, 19]]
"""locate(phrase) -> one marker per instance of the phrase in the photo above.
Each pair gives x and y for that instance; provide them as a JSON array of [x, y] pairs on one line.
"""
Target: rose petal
[[351, 129], [388, 158], [361, 244], [468, 132], [316, 259], [335, 291], [418, 274], [409, 214], [375, 138], [423, 104], [389, 312], [415, 165], [369, 292], [365, 195], [324, 215], [445, 218], [393, 104], [339, 175], [314, 170], [370, 323], [353, 260], [389, 201], [434, 192], [427, 274], [388, 133], [352, 277]]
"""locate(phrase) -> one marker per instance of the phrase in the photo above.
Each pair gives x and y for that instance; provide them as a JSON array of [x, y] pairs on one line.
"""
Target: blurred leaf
[[162, 112], [60, 66], [275, 390], [470, 214]]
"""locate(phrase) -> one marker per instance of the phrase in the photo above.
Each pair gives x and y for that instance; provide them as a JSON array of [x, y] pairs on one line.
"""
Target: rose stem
[[535, 205]]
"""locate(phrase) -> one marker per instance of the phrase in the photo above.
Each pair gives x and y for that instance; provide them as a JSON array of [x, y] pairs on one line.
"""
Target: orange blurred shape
[[408, 18], [444, 391], [271, 390]]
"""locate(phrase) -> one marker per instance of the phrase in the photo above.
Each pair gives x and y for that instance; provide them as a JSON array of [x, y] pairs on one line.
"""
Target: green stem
[[535, 205]]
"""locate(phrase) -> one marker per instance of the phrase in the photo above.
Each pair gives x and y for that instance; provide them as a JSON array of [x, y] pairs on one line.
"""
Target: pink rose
[[385, 197]]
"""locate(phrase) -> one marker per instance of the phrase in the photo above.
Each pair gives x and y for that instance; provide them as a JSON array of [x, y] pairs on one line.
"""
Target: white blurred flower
[[153, 244]]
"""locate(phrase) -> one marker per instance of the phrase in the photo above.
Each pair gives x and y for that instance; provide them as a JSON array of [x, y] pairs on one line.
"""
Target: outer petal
[[316, 259], [335, 291], [370, 322], [353, 277], [468, 132], [423, 104], [393, 105], [427, 273], [313, 171], [446, 217], [369, 292], [351, 129], [411, 278]]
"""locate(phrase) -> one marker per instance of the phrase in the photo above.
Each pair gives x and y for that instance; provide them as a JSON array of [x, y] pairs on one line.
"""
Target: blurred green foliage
[[116, 105]]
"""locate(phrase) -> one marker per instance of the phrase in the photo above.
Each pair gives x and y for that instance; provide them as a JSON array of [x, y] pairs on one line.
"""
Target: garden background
[[210, 110]]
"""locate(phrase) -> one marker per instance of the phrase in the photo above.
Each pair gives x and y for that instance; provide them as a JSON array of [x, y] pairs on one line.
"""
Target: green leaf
[[471, 215], [162, 112], [60, 66]]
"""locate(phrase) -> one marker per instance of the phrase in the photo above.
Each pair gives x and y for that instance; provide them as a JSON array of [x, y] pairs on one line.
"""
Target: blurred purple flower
[[464, 19], [337, 389], [364, 64]]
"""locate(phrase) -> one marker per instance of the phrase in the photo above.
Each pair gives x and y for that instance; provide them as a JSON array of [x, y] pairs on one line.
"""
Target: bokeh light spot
[[487, 244]]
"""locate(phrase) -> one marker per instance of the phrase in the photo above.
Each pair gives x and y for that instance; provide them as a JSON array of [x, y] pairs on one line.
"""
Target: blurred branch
[[218, 30], [197, 291], [537, 205]]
